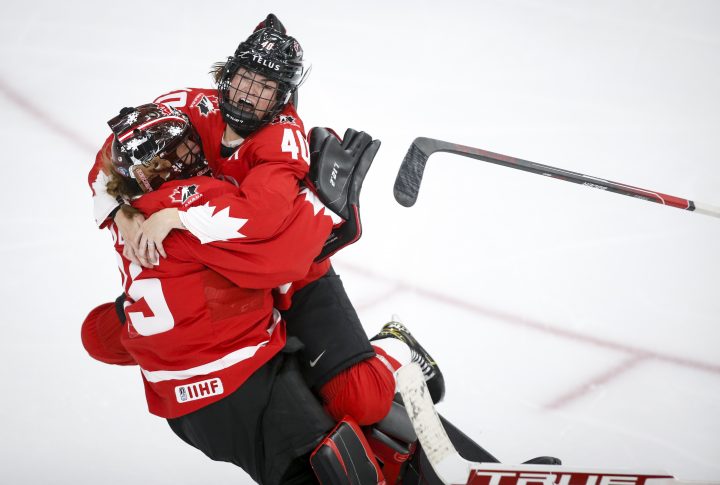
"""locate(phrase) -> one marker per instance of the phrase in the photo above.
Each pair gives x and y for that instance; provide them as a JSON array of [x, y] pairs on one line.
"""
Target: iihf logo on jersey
[[186, 194], [205, 104], [284, 119], [198, 390]]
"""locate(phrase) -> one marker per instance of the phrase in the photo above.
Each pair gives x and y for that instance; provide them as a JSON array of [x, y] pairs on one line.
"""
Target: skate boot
[[430, 369]]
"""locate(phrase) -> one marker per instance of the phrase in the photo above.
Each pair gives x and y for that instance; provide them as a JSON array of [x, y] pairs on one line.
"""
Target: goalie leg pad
[[394, 442], [345, 458]]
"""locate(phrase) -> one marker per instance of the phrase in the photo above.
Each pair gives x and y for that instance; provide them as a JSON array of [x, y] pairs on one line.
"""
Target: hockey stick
[[407, 183], [447, 463], [453, 469]]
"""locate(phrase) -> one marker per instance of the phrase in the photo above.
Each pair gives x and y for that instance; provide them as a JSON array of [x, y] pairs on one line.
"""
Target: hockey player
[[253, 136], [200, 325]]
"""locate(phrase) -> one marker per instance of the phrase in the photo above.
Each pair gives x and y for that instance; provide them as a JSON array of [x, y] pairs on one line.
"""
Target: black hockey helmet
[[273, 22], [261, 77], [155, 143]]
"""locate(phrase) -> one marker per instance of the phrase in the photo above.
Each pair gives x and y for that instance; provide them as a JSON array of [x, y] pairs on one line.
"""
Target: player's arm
[[104, 204], [253, 212], [263, 201], [107, 208], [266, 263], [101, 333], [278, 157]]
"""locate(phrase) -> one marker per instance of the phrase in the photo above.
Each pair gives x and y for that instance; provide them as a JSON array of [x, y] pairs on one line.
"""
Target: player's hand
[[129, 227], [153, 232]]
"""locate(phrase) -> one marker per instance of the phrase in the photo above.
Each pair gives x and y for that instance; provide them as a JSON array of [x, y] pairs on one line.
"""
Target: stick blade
[[409, 177]]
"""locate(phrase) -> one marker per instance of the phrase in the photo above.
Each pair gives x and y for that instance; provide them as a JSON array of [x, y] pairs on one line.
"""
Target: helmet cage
[[155, 143], [267, 55]]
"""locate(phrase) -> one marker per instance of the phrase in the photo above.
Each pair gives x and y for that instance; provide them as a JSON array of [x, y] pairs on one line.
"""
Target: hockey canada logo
[[186, 194], [284, 119], [205, 104], [198, 390]]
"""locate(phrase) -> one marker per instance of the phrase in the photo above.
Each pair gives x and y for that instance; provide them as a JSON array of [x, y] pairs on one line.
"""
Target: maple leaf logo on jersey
[[209, 227], [319, 206], [205, 104], [186, 194], [284, 119]]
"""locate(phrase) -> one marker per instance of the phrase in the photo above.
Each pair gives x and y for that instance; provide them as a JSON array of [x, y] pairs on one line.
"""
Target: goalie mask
[[260, 78], [155, 143]]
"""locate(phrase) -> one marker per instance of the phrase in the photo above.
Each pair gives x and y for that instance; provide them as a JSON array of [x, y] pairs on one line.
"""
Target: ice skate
[[430, 369]]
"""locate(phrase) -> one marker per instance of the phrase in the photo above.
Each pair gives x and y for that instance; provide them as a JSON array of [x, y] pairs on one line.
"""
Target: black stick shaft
[[407, 184]]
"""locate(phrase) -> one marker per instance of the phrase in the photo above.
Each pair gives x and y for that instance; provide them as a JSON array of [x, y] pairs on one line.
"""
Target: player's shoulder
[[204, 100], [285, 125], [288, 118]]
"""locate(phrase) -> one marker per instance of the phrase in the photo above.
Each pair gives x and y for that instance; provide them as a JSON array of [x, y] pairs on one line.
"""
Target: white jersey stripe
[[222, 363]]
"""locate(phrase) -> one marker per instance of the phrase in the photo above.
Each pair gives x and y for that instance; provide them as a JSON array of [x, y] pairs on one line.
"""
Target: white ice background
[[567, 321]]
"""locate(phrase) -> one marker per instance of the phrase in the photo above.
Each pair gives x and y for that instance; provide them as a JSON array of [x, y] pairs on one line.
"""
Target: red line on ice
[[44, 118], [56, 126], [374, 301], [590, 384], [518, 320]]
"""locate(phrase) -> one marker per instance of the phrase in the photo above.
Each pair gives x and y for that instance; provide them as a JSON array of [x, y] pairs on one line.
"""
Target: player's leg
[[338, 361], [227, 430], [268, 426], [325, 321], [352, 375]]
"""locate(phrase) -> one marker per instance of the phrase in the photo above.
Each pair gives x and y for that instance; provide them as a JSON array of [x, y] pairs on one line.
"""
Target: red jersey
[[267, 166], [201, 321]]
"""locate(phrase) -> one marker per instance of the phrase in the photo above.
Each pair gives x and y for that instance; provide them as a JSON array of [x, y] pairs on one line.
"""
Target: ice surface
[[568, 321]]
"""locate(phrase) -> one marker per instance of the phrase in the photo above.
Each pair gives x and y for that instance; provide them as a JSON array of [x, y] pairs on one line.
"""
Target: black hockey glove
[[337, 172]]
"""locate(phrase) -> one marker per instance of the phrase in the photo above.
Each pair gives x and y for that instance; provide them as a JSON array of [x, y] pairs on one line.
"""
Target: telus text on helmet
[[265, 62]]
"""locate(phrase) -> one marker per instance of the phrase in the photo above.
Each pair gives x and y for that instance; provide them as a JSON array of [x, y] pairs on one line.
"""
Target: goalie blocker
[[337, 171]]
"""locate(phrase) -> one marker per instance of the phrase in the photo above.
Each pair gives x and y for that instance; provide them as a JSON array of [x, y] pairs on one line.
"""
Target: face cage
[[186, 157], [243, 106], [181, 160]]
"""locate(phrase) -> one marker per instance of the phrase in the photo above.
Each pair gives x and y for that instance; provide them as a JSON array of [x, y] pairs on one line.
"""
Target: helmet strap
[[138, 174]]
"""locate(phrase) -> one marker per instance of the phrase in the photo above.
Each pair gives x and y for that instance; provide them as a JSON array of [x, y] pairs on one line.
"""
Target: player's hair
[[216, 71], [119, 186]]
